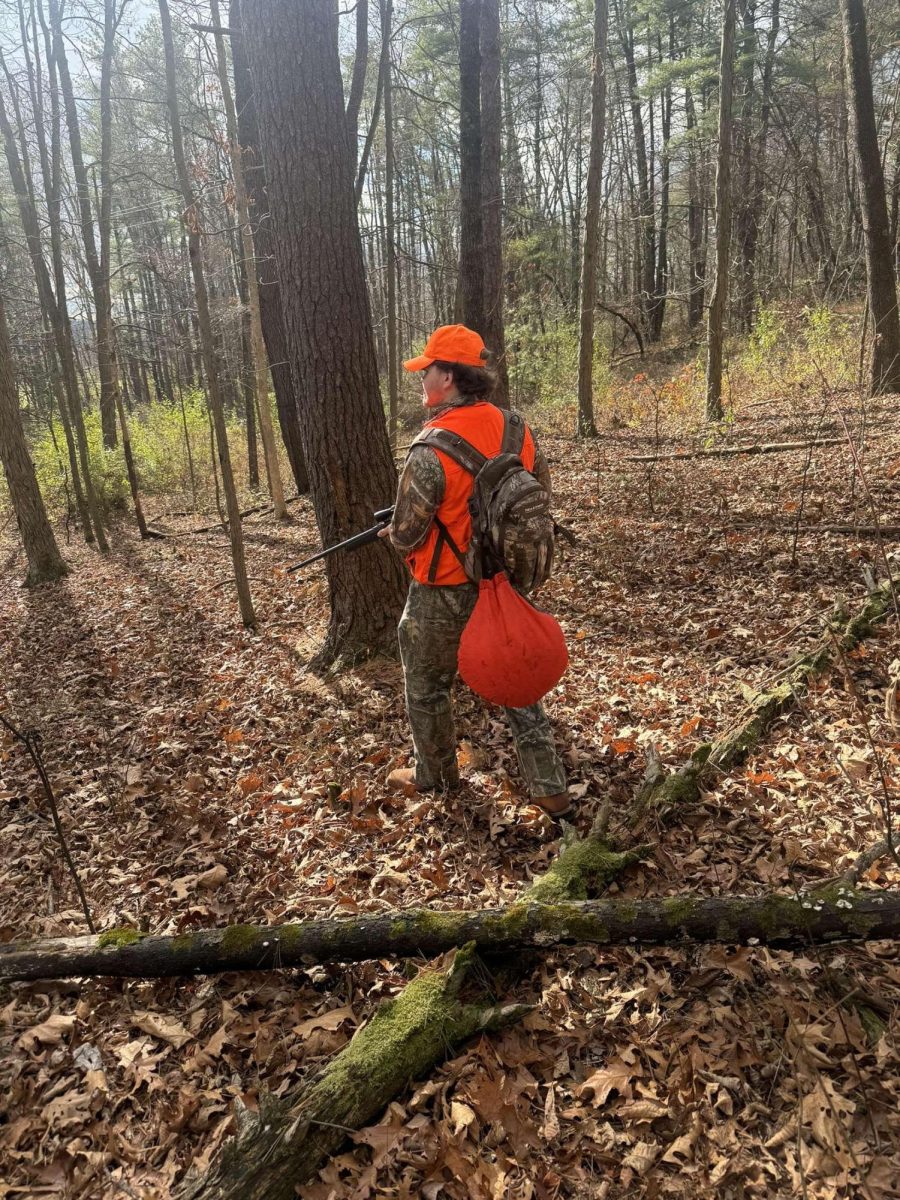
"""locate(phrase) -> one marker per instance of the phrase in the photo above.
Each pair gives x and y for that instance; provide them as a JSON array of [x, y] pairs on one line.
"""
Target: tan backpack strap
[[454, 446]]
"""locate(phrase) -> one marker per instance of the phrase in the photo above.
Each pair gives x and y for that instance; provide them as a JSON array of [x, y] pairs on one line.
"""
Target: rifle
[[383, 516]]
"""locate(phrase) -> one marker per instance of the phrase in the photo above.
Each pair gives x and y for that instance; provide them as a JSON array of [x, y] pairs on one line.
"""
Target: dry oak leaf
[[216, 875], [166, 1028], [328, 1020], [461, 1115], [641, 1157], [615, 1076], [49, 1033]]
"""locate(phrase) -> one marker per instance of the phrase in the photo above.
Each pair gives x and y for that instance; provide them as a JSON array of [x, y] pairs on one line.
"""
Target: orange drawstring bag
[[510, 652]]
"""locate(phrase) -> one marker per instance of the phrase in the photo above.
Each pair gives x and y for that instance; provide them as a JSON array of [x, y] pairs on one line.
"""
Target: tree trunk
[[53, 305], [492, 195], [358, 79], [591, 237], [750, 238], [390, 231], [471, 251], [45, 563], [293, 55], [882, 285], [193, 217], [270, 303], [718, 305], [284, 1144], [106, 350], [696, 251], [646, 243], [539, 920], [257, 343]]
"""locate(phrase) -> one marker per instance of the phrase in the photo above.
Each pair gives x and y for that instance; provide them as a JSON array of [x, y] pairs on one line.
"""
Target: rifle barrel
[[383, 516]]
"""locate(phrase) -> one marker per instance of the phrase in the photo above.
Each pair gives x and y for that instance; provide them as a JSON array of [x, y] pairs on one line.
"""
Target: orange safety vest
[[482, 425]]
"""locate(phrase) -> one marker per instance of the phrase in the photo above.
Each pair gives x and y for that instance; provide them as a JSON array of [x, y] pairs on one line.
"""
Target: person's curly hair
[[473, 383]]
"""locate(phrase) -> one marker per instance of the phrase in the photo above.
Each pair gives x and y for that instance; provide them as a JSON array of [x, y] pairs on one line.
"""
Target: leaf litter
[[206, 777]]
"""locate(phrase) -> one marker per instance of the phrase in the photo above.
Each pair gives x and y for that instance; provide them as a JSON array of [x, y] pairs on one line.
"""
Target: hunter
[[431, 528]]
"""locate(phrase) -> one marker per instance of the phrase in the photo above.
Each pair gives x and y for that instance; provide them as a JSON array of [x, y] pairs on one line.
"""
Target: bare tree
[[716, 322], [193, 218], [591, 239], [257, 343], [882, 284], [492, 193], [471, 234]]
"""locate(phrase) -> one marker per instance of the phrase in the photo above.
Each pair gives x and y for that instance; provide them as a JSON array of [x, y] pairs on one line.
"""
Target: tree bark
[[772, 920], [284, 1144], [358, 79], [45, 563], [293, 55], [270, 302], [882, 285], [471, 252], [718, 304], [107, 363], [492, 196], [390, 231], [193, 217], [591, 237], [257, 342]]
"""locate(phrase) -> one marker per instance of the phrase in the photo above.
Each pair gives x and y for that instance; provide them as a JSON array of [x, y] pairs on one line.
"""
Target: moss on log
[[285, 1143], [837, 912]]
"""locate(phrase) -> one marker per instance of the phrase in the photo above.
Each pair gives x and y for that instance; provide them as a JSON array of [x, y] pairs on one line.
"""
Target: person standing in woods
[[432, 528]]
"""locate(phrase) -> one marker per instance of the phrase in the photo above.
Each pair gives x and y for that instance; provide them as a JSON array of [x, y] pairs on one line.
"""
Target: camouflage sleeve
[[420, 492], [541, 470]]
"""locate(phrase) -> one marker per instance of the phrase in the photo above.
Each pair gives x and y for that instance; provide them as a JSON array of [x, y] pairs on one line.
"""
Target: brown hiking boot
[[559, 805]]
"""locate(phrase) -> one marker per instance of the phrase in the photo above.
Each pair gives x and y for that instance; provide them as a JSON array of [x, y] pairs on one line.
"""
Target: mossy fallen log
[[775, 919], [661, 790], [283, 1144]]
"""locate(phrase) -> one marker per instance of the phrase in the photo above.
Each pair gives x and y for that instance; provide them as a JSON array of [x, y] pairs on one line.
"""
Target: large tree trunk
[[45, 563], [471, 247], [492, 194], [540, 919], [257, 343], [718, 305], [270, 309], [193, 217], [882, 284], [284, 1144], [591, 238], [293, 54]]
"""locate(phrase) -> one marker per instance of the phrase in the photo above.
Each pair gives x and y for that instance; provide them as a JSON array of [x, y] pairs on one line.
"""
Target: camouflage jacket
[[421, 490]]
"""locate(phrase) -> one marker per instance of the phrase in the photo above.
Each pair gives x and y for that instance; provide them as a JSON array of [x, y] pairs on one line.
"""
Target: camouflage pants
[[429, 632]]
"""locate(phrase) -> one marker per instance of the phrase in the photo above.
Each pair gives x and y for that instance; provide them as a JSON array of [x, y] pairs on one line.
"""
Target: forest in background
[[676, 226]]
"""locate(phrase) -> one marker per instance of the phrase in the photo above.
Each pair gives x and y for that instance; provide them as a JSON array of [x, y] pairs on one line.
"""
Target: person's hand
[[386, 532]]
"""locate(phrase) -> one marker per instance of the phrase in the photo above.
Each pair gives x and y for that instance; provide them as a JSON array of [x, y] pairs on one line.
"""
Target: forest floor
[[194, 764]]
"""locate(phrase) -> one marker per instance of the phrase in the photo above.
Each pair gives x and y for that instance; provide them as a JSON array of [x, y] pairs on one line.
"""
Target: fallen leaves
[[162, 1026]]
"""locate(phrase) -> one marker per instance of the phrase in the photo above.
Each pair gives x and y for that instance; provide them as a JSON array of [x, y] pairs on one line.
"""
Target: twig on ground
[[30, 744]]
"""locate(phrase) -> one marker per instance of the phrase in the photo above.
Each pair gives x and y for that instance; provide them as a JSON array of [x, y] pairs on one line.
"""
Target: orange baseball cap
[[450, 343]]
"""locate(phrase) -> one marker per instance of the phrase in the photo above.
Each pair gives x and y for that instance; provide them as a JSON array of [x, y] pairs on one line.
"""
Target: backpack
[[512, 528]]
